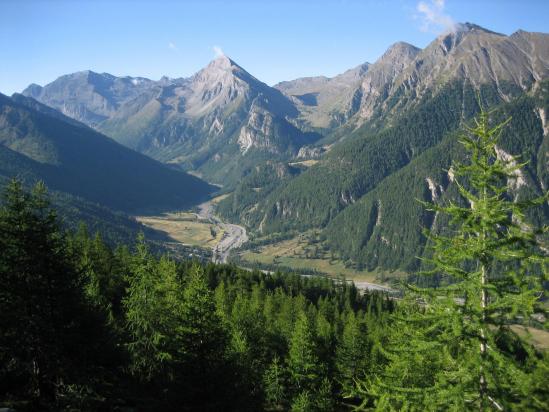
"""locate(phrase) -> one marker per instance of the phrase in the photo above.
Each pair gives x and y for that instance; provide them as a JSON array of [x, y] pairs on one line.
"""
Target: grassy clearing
[[219, 198], [539, 338], [334, 268], [303, 252], [305, 163], [184, 227]]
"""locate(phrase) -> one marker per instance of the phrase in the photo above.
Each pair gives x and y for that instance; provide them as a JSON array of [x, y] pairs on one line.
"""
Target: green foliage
[[153, 308], [362, 192], [274, 382], [355, 166], [384, 228], [352, 353], [45, 323], [324, 398], [451, 347], [303, 363], [303, 403], [130, 328], [204, 340]]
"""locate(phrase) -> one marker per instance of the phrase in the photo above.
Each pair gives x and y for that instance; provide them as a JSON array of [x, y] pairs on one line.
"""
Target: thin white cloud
[[433, 18], [218, 52], [172, 46]]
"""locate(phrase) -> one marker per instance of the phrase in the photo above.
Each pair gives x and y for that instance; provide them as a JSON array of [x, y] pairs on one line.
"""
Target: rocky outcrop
[[382, 74], [256, 132]]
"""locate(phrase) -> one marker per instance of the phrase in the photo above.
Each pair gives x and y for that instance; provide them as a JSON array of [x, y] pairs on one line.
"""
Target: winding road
[[235, 236]]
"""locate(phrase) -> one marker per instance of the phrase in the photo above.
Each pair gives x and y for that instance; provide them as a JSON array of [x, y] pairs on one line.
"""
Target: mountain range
[[346, 155]]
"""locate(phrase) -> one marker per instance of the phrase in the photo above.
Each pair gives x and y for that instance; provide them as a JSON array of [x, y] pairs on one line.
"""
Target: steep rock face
[[200, 119], [311, 152], [256, 131], [264, 131], [223, 83], [87, 96], [381, 76], [471, 55], [352, 95], [511, 64]]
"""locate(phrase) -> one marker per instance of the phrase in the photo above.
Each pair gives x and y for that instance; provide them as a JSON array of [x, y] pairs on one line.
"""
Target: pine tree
[[153, 312], [303, 402], [274, 384], [203, 345], [324, 398], [303, 364], [44, 327], [352, 353], [449, 348]]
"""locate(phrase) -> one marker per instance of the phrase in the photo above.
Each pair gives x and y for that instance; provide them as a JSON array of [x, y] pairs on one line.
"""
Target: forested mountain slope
[[73, 158], [362, 191], [384, 228]]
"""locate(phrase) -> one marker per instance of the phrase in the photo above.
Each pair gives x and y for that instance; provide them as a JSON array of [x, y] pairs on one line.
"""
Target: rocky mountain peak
[[352, 75], [398, 49], [33, 90], [467, 34], [399, 54], [88, 96], [222, 62], [222, 70], [220, 66], [382, 74]]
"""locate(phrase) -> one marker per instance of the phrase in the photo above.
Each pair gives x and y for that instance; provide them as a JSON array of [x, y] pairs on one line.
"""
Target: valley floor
[[205, 230], [202, 230]]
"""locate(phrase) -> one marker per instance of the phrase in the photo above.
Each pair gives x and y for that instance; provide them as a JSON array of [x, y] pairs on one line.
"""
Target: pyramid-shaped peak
[[223, 70], [224, 67], [223, 62]]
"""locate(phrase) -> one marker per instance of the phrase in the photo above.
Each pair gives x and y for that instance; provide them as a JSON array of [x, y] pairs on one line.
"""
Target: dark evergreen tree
[[204, 370], [46, 330], [303, 402], [352, 353]]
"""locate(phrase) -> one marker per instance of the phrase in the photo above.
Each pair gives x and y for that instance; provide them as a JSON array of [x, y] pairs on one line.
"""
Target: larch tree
[[304, 367], [274, 381], [153, 312], [352, 352], [452, 347]]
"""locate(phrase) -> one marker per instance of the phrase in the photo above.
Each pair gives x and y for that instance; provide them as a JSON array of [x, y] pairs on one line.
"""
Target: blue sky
[[274, 40]]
